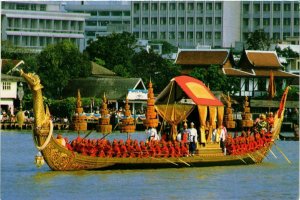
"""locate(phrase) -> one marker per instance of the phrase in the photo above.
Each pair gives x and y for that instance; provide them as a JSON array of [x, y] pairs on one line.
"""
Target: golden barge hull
[[59, 158]]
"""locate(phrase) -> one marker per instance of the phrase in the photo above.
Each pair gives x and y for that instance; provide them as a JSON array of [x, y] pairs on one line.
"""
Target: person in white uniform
[[193, 138]]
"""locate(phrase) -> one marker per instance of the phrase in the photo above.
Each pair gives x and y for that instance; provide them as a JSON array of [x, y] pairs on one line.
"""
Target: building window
[[199, 35], [286, 21], [33, 7], [163, 6], [172, 6], [103, 23], [136, 7], [246, 21], [145, 35], [136, 34], [266, 21], [209, 6], [217, 35], [218, 20], [208, 20], [154, 21], [190, 6], [190, 35], [256, 21], [200, 6], [126, 13], [181, 35], [286, 34], [199, 20], [91, 23], [287, 7], [153, 35], [22, 7], [276, 35], [136, 21], [162, 35], [93, 13], [172, 35], [276, 7], [296, 7], [296, 21], [145, 6], [218, 6], [181, 6], [246, 7], [145, 21], [6, 86], [208, 35], [256, 7], [163, 20], [266, 7], [276, 21], [190, 21], [104, 13], [172, 20], [181, 20], [154, 6], [116, 13]]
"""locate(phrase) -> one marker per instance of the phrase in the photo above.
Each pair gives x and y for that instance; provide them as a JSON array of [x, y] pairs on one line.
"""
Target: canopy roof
[[182, 88]]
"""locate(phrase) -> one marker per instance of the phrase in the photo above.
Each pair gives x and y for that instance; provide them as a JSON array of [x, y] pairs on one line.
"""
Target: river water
[[20, 179]]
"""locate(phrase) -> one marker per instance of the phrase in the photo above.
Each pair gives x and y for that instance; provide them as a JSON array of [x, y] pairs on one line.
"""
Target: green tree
[[114, 49], [58, 64], [9, 51], [215, 79], [258, 40], [151, 65]]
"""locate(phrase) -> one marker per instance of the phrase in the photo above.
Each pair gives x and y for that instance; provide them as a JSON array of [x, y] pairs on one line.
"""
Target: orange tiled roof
[[261, 59], [276, 73], [236, 72], [202, 57]]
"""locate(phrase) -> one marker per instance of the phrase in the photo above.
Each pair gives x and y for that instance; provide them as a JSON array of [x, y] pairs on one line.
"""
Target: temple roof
[[203, 56], [98, 70], [259, 59], [115, 88]]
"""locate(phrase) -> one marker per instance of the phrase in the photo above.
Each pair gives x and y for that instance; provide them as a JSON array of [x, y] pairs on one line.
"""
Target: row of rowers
[[129, 148], [247, 142]]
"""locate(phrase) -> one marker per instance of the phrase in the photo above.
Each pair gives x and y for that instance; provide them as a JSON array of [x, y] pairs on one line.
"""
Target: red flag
[[272, 87]]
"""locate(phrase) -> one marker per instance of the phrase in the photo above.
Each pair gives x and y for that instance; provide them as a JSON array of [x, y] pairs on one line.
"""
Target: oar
[[242, 159], [88, 134], [184, 162], [116, 126], [104, 136], [251, 157], [282, 153], [165, 160], [273, 153]]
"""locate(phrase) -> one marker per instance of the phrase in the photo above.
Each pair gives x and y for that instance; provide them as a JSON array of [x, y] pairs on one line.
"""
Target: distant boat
[[59, 157]]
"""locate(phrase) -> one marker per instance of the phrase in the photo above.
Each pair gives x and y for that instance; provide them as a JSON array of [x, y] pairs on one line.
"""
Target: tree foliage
[[258, 40], [114, 49], [151, 65], [58, 64], [286, 52], [215, 79]]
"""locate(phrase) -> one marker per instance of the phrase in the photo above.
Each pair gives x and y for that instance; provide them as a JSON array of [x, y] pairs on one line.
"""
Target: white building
[[8, 88], [34, 24], [105, 18]]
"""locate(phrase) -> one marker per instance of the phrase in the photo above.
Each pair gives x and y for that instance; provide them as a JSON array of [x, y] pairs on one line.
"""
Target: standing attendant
[[193, 138]]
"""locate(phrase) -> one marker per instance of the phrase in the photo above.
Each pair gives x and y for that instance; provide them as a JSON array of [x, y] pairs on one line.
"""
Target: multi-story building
[[36, 24], [279, 19], [187, 23], [105, 18]]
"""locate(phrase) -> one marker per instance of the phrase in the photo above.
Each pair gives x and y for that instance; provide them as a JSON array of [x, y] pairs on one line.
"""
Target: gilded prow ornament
[[41, 116]]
